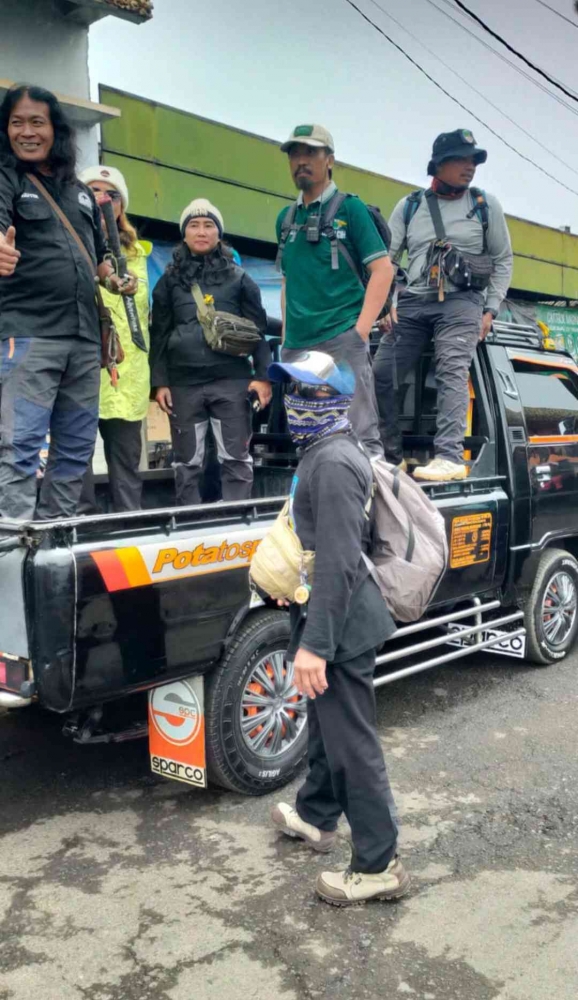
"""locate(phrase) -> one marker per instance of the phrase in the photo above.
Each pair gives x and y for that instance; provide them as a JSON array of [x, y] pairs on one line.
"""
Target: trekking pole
[[121, 267]]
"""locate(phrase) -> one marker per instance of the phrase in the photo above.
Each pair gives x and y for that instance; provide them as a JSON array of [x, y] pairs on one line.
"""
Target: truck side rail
[[165, 519]]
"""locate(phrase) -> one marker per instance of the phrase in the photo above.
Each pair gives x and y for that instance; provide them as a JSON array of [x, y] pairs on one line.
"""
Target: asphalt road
[[115, 885]]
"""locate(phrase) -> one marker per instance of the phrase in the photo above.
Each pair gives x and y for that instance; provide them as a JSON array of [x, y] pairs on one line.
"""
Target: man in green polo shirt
[[325, 304]]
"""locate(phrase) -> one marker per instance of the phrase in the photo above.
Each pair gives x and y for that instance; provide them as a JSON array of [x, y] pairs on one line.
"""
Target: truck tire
[[551, 613], [256, 723]]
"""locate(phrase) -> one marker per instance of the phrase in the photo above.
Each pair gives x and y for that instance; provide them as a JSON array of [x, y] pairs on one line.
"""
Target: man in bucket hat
[[459, 269], [335, 633], [336, 270]]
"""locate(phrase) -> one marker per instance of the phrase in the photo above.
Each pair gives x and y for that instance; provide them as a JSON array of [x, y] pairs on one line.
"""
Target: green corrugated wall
[[170, 157]]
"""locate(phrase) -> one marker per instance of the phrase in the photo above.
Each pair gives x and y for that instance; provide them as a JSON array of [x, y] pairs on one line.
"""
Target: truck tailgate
[[13, 631]]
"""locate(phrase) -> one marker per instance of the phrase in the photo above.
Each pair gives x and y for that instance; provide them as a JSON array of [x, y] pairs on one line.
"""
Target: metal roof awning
[[80, 113], [89, 11]]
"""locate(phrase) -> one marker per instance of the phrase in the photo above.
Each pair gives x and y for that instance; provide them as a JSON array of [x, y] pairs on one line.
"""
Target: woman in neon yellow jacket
[[124, 407]]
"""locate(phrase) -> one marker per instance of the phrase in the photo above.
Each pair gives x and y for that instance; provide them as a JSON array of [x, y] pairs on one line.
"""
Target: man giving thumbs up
[[9, 255]]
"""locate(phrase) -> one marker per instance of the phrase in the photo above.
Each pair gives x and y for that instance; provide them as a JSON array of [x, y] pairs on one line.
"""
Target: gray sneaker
[[286, 819], [348, 888]]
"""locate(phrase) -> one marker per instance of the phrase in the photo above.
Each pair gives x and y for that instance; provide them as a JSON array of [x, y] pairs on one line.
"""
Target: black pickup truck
[[99, 614]]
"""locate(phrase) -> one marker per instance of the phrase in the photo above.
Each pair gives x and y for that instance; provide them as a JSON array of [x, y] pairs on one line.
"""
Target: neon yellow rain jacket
[[130, 400]]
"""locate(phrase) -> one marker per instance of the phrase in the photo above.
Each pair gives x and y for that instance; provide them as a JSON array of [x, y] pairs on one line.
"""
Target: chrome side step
[[475, 633]]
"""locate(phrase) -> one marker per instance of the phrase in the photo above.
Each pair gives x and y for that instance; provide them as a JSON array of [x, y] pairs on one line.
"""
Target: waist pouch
[[467, 271], [224, 332], [281, 565]]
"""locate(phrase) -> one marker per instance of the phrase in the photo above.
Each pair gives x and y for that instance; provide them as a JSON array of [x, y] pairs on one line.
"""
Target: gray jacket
[[465, 234]]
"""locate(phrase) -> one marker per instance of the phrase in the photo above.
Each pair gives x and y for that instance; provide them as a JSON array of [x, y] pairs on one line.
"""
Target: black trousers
[[346, 767], [122, 450]]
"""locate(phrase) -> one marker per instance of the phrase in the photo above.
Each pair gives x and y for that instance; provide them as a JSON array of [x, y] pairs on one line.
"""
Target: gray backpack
[[409, 549]]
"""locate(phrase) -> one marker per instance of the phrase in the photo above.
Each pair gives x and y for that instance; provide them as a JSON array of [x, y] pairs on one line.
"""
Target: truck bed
[[107, 605]]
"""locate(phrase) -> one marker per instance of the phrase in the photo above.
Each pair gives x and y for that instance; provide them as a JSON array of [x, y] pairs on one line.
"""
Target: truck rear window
[[549, 395]]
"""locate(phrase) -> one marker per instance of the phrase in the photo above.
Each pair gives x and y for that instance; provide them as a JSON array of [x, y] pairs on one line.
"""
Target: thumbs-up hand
[[9, 255]]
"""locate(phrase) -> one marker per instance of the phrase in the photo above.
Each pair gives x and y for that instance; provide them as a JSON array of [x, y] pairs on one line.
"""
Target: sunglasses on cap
[[308, 391]]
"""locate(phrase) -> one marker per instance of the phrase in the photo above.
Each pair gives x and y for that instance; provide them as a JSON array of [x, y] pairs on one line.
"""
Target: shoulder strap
[[434, 209], [331, 208], [103, 311], [412, 203], [481, 209], [329, 214], [286, 227], [202, 308], [63, 218]]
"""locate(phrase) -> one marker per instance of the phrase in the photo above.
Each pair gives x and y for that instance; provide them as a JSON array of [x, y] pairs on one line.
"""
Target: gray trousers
[[49, 384], [455, 326], [224, 404], [349, 346]]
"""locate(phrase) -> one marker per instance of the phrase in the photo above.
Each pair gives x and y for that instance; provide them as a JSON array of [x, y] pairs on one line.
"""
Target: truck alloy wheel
[[256, 722], [551, 614]]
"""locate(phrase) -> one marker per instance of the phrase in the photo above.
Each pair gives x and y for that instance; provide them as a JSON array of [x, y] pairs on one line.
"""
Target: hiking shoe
[[441, 470], [289, 822], [348, 888]]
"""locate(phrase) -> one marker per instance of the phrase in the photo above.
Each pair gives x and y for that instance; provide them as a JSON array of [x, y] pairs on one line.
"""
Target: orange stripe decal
[[554, 439], [111, 569], [545, 360], [134, 567], [11, 348]]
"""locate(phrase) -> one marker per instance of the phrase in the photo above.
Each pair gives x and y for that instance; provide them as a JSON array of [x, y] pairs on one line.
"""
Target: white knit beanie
[[201, 208], [110, 175]]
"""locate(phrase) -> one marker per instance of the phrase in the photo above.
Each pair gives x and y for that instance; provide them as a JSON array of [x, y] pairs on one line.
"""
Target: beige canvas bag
[[281, 566]]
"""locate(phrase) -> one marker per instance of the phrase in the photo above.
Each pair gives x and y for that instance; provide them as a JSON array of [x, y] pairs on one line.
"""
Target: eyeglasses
[[307, 391], [113, 195]]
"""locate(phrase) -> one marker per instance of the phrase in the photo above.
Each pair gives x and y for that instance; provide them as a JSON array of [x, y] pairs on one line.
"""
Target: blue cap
[[315, 368]]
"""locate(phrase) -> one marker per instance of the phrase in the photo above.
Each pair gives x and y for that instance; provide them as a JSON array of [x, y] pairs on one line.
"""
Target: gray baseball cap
[[309, 135]]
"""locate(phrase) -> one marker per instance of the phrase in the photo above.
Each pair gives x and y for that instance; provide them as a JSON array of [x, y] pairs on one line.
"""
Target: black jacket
[[51, 293], [346, 614], [180, 354]]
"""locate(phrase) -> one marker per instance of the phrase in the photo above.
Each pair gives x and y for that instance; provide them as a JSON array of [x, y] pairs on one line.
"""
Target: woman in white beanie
[[194, 384], [123, 409]]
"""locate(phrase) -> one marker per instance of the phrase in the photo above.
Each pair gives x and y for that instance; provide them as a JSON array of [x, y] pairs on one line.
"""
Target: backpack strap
[[287, 226], [482, 210], [328, 218], [412, 203], [434, 211]]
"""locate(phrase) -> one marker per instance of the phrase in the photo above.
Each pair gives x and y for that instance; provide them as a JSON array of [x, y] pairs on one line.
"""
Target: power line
[[455, 99], [520, 55], [475, 90], [501, 56], [558, 13]]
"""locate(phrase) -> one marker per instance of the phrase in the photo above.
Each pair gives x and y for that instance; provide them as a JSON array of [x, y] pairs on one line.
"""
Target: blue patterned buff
[[310, 420]]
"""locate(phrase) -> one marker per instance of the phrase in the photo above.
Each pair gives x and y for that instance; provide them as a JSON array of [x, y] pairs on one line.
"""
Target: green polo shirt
[[321, 302]]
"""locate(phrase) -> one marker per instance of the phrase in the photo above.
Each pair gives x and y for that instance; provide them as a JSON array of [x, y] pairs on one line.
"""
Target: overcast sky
[[266, 65]]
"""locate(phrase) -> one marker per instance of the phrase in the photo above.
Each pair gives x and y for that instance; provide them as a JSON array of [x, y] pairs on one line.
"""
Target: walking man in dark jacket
[[335, 637], [49, 329]]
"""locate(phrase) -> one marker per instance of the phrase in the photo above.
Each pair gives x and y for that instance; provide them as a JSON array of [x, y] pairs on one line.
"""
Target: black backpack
[[327, 229]]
